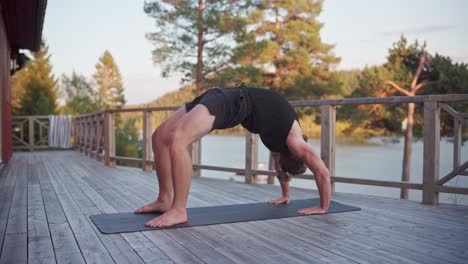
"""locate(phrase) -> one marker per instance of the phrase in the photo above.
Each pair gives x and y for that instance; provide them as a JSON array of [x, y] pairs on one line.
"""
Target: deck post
[[81, 135], [99, 136], [457, 140], [91, 135], [87, 134], [251, 156], [271, 167], [31, 132], [74, 131], [109, 139], [327, 138], [431, 163], [147, 131], [195, 150], [92, 154]]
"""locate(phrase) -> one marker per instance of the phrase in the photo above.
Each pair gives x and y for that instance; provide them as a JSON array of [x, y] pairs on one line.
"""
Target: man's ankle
[[164, 199]]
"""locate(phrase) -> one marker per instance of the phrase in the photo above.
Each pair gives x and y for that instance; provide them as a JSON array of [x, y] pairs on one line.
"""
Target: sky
[[78, 33]]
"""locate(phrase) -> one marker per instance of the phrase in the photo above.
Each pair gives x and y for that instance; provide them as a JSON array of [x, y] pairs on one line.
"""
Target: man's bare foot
[[169, 218], [154, 207]]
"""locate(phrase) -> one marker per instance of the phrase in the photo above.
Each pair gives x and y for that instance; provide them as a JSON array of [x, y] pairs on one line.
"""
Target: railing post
[[93, 137], [98, 135], [196, 157], [431, 151], [147, 131], [271, 167], [82, 133], [31, 133], [109, 139], [457, 140], [87, 134], [251, 157], [327, 141], [74, 131]]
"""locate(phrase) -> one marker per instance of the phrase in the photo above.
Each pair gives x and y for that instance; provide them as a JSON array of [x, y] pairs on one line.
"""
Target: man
[[258, 110]]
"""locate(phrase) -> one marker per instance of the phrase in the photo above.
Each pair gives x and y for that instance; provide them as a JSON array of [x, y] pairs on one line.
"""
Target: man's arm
[[304, 151], [284, 179]]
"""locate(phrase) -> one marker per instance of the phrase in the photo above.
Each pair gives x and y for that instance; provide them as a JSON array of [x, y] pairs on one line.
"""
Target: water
[[381, 160]]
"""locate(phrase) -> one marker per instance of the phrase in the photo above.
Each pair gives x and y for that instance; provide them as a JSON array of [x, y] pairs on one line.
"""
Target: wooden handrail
[[333, 102], [88, 141]]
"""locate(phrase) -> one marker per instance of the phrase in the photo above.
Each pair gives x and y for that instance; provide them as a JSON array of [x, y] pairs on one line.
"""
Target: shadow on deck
[[46, 199]]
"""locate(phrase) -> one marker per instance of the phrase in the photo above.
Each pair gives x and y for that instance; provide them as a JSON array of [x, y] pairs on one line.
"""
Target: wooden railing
[[30, 132], [95, 136]]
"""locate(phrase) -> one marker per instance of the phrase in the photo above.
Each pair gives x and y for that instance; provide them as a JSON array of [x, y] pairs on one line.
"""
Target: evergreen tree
[[108, 83], [17, 90], [195, 38], [283, 40], [79, 96], [39, 96]]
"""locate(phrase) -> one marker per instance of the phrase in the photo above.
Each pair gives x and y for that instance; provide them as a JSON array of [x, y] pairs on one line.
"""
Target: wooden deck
[[46, 198]]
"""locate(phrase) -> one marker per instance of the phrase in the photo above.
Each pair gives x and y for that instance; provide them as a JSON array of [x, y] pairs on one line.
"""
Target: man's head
[[292, 164]]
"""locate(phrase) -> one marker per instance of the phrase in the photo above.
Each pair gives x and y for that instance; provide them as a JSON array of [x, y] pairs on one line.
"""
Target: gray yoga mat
[[130, 222]]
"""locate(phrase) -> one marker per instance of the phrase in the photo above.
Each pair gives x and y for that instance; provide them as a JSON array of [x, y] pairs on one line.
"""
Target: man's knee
[[177, 138], [160, 136]]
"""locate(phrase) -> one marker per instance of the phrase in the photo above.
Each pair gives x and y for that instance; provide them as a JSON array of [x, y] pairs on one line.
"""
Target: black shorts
[[229, 106]]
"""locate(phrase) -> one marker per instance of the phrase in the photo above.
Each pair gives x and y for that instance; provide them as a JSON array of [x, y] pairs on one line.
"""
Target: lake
[[379, 160]]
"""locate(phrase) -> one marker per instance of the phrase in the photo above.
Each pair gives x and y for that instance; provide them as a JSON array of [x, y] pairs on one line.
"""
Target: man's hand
[[282, 200], [312, 210]]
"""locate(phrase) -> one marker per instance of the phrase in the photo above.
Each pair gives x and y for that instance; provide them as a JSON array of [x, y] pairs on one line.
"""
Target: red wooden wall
[[7, 147]]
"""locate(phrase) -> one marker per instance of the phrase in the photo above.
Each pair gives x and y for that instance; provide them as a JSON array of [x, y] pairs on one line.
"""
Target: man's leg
[[191, 127], [160, 143]]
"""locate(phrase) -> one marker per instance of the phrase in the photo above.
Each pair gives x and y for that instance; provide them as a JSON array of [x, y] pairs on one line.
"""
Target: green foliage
[[108, 83], [183, 30], [128, 143], [402, 63], [349, 79], [452, 78], [36, 85], [79, 96], [283, 40]]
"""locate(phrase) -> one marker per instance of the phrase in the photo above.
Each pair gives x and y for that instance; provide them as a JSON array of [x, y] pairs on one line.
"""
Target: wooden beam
[[241, 172], [109, 139], [195, 150], [271, 167], [450, 111], [251, 157], [327, 141], [457, 141], [93, 124], [147, 132], [453, 174], [99, 130], [448, 189], [152, 109], [31, 133], [384, 100], [126, 159], [431, 163], [381, 183]]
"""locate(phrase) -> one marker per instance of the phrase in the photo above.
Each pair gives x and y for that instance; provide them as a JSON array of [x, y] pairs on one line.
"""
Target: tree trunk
[[277, 78], [407, 151], [200, 82]]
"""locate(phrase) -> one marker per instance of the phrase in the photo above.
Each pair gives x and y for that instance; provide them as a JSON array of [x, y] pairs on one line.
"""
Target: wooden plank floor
[[46, 199]]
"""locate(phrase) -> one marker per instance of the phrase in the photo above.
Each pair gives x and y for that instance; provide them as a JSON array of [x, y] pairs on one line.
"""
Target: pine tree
[[195, 38], [79, 96], [108, 83], [38, 86], [284, 41]]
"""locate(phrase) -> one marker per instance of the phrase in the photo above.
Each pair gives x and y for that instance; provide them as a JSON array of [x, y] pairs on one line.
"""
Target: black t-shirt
[[271, 117]]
